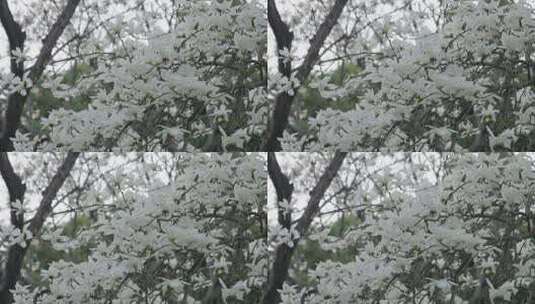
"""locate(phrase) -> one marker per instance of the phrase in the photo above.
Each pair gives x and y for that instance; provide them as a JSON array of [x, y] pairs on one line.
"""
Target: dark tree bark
[[284, 189], [15, 254], [15, 101], [316, 195], [282, 186], [283, 102], [283, 253], [17, 189], [45, 206], [16, 39], [52, 38], [284, 37]]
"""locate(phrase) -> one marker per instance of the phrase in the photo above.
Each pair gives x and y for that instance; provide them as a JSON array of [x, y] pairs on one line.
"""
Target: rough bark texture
[[16, 188], [283, 101], [16, 39], [283, 253]]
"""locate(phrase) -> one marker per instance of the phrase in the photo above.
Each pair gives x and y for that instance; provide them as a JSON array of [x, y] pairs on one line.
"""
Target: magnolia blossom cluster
[[167, 240], [197, 83], [464, 86], [436, 240]]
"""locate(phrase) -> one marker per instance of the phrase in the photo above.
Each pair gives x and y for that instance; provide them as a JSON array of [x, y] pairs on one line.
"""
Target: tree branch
[[16, 40], [16, 252], [283, 187], [318, 192], [283, 36], [52, 38], [283, 101], [15, 187], [15, 103], [319, 39], [15, 36], [45, 206], [283, 253]]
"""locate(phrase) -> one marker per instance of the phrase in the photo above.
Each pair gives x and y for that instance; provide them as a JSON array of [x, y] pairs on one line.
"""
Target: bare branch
[[283, 253], [16, 252], [316, 195], [15, 103], [52, 38], [15, 187], [45, 206], [319, 39], [282, 186], [16, 37], [283, 36], [283, 102]]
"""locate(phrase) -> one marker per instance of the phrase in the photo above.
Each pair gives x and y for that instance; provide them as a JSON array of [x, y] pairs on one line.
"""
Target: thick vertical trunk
[[15, 254]]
